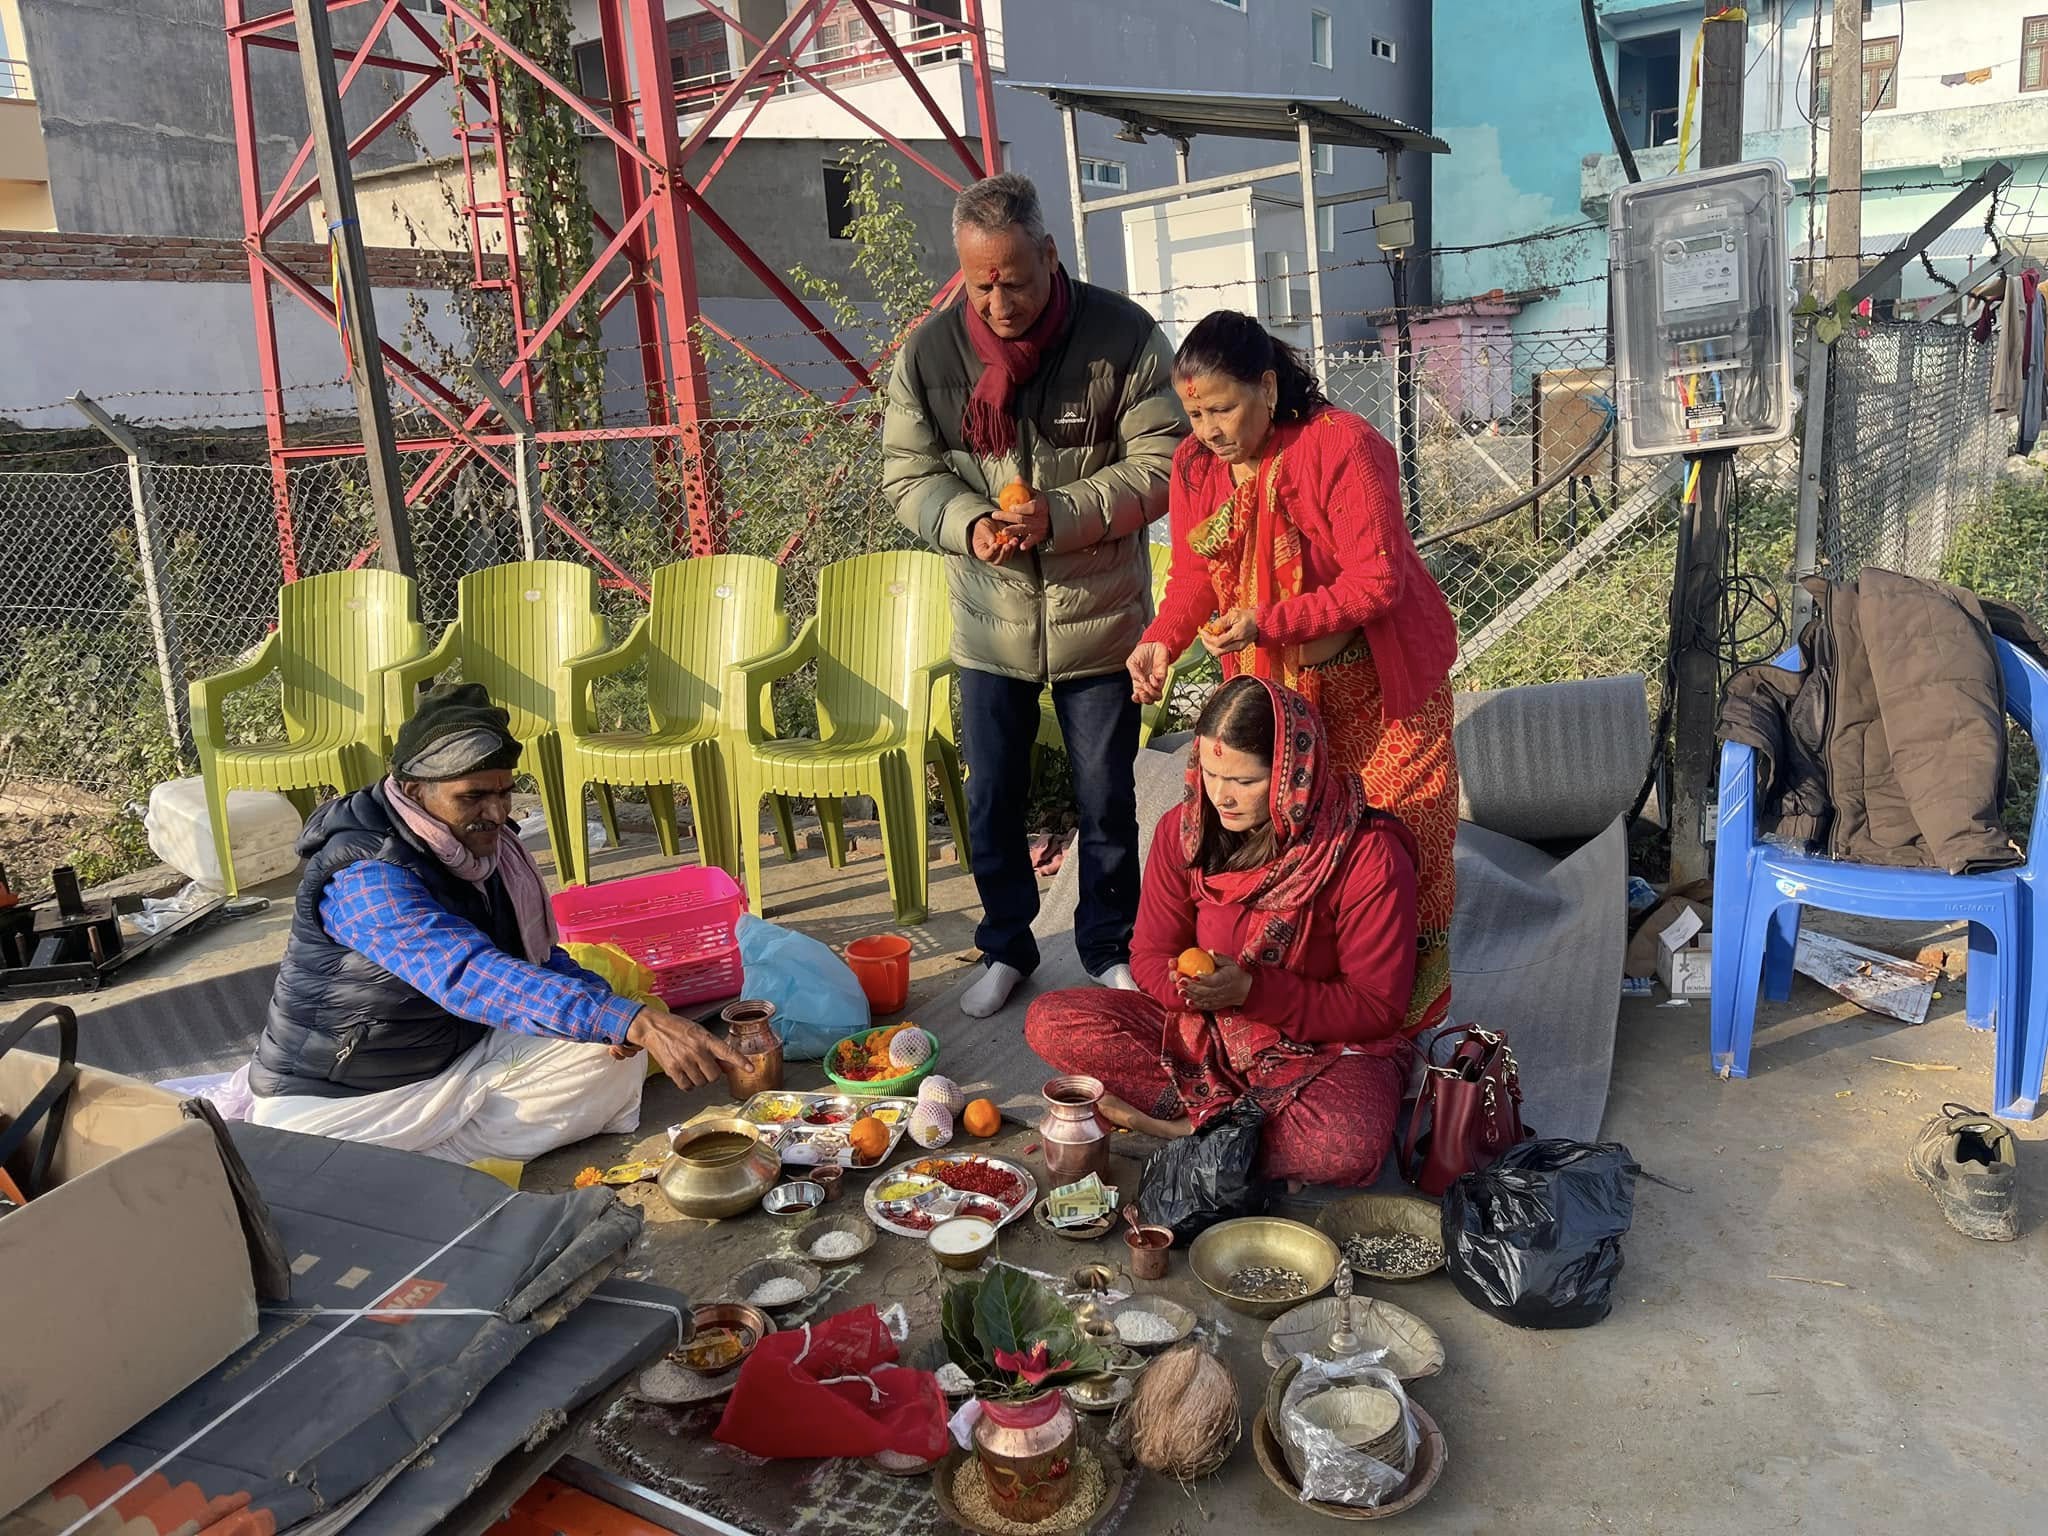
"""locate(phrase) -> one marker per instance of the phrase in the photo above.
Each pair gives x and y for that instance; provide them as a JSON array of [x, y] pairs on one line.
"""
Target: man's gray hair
[[998, 204]]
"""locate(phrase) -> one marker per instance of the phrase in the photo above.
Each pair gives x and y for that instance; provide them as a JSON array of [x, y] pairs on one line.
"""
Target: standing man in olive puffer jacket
[[1068, 389]]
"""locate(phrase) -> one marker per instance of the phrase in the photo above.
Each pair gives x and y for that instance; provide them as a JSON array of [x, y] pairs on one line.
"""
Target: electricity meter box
[[1702, 310]]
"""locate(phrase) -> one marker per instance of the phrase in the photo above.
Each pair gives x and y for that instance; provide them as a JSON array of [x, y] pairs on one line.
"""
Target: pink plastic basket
[[679, 924]]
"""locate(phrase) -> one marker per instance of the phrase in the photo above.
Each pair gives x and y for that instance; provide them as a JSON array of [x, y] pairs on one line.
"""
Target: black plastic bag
[[1199, 1180], [1535, 1236]]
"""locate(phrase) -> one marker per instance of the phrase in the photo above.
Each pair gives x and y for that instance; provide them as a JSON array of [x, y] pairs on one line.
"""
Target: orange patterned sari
[[1409, 767]]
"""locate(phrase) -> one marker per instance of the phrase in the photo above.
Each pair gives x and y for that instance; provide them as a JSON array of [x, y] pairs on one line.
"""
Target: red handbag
[[1469, 1111]]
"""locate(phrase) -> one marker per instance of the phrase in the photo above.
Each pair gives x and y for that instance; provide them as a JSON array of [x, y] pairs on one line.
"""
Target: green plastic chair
[[880, 639], [1156, 717], [516, 627], [336, 637], [706, 617]]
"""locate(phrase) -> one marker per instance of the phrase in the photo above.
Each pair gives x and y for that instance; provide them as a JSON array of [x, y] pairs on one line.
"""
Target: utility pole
[[1703, 529], [1845, 150], [352, 291]]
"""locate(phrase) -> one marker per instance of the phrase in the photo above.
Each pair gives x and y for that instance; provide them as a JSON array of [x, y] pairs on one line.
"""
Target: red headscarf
[[989, 425], [1316, 814]]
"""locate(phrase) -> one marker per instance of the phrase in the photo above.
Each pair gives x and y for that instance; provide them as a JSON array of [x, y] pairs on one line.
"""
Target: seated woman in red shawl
[[1304, 898]]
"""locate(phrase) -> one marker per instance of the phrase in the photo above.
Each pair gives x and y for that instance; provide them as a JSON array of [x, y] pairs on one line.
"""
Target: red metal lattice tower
[[663, 211]]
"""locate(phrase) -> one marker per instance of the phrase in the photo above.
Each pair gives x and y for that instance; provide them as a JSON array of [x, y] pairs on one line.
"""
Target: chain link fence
[[1572, 580], [1913, 447]]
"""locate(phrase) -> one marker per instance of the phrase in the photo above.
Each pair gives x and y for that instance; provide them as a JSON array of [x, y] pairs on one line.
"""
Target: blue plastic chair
[[1759, 890]]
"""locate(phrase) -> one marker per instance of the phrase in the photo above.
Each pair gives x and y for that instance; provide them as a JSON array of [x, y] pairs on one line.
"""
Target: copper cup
[[831, 1176], [1149, 1247]]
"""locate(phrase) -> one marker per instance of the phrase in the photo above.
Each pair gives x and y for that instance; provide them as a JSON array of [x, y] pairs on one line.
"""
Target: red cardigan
[[1358, 967], [1340, 483]]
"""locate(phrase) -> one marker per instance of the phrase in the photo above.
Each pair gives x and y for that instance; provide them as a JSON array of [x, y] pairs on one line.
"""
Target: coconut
[[942, 1091], [931, 1125], [910, 1050]]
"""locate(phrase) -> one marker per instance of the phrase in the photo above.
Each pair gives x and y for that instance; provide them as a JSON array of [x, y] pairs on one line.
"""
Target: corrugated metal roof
[[1958, 244], [1189, 114]]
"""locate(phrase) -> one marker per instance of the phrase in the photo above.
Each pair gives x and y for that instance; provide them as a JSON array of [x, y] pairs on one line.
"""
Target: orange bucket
[[881, 964]]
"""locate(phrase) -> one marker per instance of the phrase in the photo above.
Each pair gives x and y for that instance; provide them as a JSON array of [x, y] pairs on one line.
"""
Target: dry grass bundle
[[1184, 1417]]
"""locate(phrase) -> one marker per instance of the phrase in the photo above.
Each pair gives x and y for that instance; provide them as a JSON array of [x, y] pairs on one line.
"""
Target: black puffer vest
[[340, 1024]]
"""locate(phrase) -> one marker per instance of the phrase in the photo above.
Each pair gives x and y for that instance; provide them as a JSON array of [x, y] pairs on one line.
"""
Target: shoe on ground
[[1970, 1162], [988, 995], [1117, 978]]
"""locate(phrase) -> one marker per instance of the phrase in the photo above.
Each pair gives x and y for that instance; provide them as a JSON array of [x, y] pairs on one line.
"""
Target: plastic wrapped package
[[1339, 1453], [627, 977]]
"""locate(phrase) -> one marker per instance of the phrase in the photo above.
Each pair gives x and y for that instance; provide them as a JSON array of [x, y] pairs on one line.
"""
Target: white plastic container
[[262, 827]]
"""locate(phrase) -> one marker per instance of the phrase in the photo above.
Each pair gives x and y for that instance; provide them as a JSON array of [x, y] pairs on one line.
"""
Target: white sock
[[987, 995], [1117, 978]]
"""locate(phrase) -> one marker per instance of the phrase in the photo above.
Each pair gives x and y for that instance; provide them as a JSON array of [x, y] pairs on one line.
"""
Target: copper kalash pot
[[1076, 1142]]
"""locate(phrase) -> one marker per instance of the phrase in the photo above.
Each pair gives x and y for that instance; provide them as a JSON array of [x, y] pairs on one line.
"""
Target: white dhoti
[[508, 1096]]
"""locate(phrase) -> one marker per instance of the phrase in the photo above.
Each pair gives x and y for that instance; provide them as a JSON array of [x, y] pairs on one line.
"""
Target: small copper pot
[[750, 1031]]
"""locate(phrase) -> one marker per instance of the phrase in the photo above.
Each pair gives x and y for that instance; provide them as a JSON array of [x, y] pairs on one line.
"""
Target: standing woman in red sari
[[1292, 561]]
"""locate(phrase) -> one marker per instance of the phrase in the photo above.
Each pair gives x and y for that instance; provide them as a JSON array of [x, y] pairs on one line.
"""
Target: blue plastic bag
[[817, 1000]]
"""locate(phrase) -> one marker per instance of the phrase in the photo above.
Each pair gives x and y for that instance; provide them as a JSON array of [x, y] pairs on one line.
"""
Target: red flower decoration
[[1033, 1365]]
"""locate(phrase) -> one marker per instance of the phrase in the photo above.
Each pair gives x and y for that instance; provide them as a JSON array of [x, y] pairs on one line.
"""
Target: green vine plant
[[797, 466]]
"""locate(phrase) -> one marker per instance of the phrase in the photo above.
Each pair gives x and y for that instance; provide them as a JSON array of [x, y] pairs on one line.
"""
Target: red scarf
[[989, 425], [1316, 814]]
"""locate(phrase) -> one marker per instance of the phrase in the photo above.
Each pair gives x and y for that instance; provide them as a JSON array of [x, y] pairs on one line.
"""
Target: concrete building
[[1949, 87], [1374, 53]]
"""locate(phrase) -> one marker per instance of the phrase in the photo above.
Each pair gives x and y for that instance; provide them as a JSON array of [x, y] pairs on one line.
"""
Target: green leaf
[[1828, 328], [956, 1326], [1014, 1311]]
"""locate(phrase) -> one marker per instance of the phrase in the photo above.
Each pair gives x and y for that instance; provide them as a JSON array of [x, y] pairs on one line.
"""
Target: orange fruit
[[1014, 495], [982, 1118], [1195, 962], [869, 1138]]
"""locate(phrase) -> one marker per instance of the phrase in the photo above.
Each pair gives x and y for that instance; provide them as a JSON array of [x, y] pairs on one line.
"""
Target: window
[[1235, 5], [1320, 51], [1383, 48], [696, 48], [1646, 83], [1324, 159], [1880, 76], [2034, 54], [1109, 174], [590, 81], [1326, 229], [839, 210]]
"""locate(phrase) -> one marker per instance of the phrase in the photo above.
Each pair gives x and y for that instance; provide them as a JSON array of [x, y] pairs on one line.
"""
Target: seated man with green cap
[[423, 1002]]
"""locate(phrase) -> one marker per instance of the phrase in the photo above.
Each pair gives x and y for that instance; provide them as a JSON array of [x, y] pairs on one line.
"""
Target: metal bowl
[[755, 1275], [1042, 1214], [1182, 1319], [751, 1323], [711, 1178], [1413, 1348], [963, 1258], [1386, 1216], [795, 1203], [808, 1239], [1431, 1454], [1272, 1241]]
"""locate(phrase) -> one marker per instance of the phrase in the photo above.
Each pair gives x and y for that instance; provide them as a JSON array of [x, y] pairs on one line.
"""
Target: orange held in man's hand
[[1195, 962], [1015, 496]]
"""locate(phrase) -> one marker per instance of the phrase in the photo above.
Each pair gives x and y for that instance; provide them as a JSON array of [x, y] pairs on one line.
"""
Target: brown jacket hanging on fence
[[1888, 747]]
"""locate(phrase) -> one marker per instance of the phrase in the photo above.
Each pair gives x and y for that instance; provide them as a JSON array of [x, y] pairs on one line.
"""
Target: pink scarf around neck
[[513, 864]]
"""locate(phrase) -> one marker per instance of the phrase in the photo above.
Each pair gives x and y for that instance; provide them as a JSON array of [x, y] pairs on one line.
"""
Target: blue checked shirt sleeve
[[385, 913]]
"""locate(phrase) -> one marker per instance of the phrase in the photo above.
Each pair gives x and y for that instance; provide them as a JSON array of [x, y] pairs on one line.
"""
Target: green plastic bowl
[[881, 1087]]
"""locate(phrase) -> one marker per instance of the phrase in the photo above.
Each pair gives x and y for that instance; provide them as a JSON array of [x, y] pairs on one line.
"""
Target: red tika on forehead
[[1215, 749]]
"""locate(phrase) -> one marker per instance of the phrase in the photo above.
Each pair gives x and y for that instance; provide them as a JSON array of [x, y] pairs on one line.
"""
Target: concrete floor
[[1799, 1342]]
